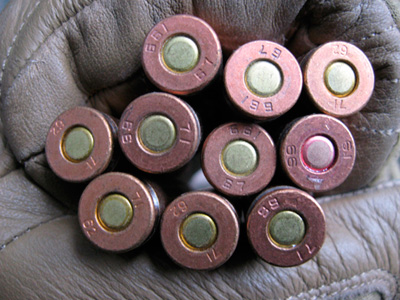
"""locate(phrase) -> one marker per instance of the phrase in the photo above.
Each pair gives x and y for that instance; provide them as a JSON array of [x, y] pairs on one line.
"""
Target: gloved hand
[[57, 54]]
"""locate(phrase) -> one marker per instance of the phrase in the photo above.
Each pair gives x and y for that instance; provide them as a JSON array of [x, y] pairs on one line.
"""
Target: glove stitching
[[33, 155], [347, 288], [394, 80], [392, 13], [343, 281], [360, 8], [3, 65], [387, 132], [29, 229], [45, 40], [389, 184], [370, 36], [352, 286]]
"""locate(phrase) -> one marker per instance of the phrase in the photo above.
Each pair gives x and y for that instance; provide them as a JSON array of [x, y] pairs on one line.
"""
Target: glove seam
[[29, 229], [325, 294], [388, 184], [374, 34], [362, 7], [14, 39], [32, 155], [387, 132], [392, 13], [18, 167], [352, 287], [43, 42]]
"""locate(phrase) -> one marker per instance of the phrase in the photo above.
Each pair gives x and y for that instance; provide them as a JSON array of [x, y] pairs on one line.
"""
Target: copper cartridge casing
[[300, 209], [127, 219], [263, 79], [318, 152], [200, 230], [181, 54], [80, 144], [338, 78], [239, 159], [159, 133]]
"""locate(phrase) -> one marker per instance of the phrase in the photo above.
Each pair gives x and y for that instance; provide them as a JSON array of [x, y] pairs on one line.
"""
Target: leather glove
[[57, 54]]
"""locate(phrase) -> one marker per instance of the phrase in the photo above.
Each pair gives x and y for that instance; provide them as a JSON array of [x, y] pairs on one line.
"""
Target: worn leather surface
[[56, 54]]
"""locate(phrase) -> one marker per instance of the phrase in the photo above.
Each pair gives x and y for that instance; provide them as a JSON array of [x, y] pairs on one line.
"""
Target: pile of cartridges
[[217, 144]]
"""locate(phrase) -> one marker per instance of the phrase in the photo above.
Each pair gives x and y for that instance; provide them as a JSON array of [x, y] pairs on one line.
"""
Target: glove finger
[[371, 28]]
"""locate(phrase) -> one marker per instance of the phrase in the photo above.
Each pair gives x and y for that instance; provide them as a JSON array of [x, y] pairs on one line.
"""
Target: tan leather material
[[23, 206], [370, 296], [65, 192], [394, 7], [360, 256], [391, 168], [239, 22], [57, 54], [7, 159]]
